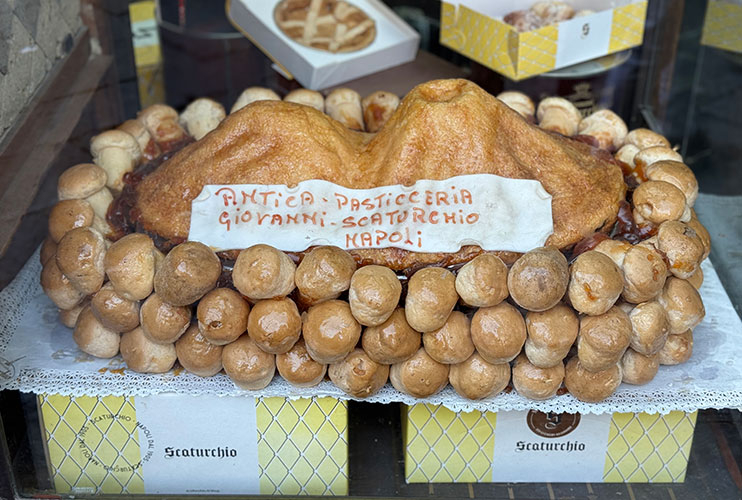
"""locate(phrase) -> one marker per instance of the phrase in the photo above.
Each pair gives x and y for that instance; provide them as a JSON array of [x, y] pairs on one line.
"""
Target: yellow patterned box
[[176, 444], [476, 29], [442, 446], [721, 28]]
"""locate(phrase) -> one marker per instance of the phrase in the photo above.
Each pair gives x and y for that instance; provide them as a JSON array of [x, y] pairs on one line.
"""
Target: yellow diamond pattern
[[73, 435], [444, 446], [721, 28], [627, 29], [652, 448], [303, 446]]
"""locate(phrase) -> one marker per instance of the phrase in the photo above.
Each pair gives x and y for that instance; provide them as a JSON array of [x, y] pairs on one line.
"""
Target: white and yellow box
[[476, 29], [442, 446], [722, 27], [178, 444]]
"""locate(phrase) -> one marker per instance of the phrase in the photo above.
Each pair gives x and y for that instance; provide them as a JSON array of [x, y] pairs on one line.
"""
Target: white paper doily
[[37, 354]]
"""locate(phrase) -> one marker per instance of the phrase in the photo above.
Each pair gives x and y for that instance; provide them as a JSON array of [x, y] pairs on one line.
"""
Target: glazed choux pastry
[[138, 131], [93, 338], [197, 355], [275, 325], [475, 378], [419, 376], [701, 232], [330, 331], [603, 339], [595, 283], [187, 273], [647, 156], [431, 296], [222, 316], [247, 365], [67, 215], [58, 287], [657, 202], [536, 383], [696, 279], [644, 274], [676, 173], [130, 265], [252, 94], [161, 122], [551, 334], [558, 115], [391, 342], [144, 356], [262, 272], [683, 304], [538, 279], [374, 294], [358, 375], [483, 281], [161, 322], [615, 249], [626, 154], [378, 108], [678, 349], [591, 386], [498, 332], [81, 181], [202, 116], [682, 247], [117, 153], [344, 105], [307, 97], [606, 127], [637, 368], [451, 343], [298, 368], [649, 327], [80, 255], [323, 274], [48, 250], [644, 138], [113, 311], [68, 317], [519, 102]]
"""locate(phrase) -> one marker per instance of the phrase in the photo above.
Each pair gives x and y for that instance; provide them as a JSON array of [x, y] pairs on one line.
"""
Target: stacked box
[[721, 28]]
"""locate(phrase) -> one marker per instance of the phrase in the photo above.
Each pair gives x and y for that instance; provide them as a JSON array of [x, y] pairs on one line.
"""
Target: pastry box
[[442, 446], [394, 43], [180, 444], [476, 29], [721, 26]]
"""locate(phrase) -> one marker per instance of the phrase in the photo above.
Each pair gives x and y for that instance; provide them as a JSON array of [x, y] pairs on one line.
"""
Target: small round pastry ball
[[222, 316], [678, 349], [117, 153], [551, 334], [252, 94], [262, 272], [615, 249], [48, 250], [657, 202], [431, 296], [161, 122], [518, 102], [637, 368], [644, 272], [161, 322], [197, 355], [452, 342], [298, 368], [591, 386], [113, 311], [358, 375], [247, 365], [696, 279], [676, 173], [475, 378], [144, 356], [58, 287], [606, 127], [392, 341], [538, 279], [81, 181], [378, 107], [644, 138], [419, 376], [558, 115], [536, 383], [374, 294], [603, 339], [187, 273], [130, 265], [93, 338], [649, 327], [202, 116], [701, 232], [683, 304], [68, 317], [275, 325], [498, 332], [483, 281], [67, 215], [324, 273], [80, 255], [307, 97], [330, 331], [652, 154], [626, 154], [682, 247], [595, 283], [137, 130]]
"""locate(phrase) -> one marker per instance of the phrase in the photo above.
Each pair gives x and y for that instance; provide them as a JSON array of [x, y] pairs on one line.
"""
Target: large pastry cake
[[610, 297]]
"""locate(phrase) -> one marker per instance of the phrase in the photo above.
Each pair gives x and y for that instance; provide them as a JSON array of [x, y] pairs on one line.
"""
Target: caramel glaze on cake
[[441, 129]]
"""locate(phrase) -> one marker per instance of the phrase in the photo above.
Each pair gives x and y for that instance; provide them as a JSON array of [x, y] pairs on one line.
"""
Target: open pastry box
[[476, 29], [442, 446], [177, 444]]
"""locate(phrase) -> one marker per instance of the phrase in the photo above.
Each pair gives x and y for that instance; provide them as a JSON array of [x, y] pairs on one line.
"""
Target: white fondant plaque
[[493, 212]]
